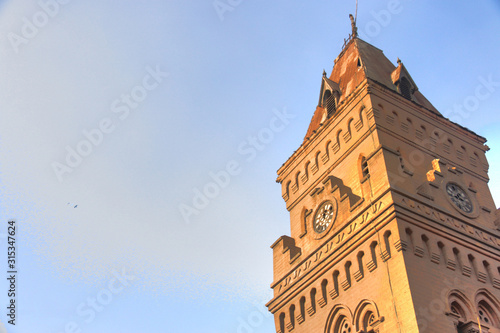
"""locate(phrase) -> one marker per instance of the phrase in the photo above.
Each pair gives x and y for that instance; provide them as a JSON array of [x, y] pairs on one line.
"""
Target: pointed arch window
[[330, 102], [326, 96], [364, 168]]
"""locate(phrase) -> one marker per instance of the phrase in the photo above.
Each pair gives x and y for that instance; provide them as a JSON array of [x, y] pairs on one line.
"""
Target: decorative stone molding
[[435, 258], [346, 284], [285, 244], [401, 245], [321, 302], [371, 265], [311, 310], [419, 251]]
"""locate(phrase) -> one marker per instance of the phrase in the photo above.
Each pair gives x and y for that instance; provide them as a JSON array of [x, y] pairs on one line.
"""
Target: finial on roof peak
[[399, 61], [353, 26], [324, 73]]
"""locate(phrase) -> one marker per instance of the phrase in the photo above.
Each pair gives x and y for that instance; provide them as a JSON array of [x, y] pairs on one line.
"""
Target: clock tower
[[393, 226]]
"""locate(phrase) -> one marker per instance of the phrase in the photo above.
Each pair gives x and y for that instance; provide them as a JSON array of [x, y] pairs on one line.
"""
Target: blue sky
[[205, 83]]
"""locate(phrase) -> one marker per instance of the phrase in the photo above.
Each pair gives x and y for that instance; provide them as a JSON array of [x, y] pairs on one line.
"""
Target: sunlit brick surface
[[401, 254]]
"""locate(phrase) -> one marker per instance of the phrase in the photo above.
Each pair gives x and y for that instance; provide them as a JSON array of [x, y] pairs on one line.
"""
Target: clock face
[[459, 197], [325, 216]]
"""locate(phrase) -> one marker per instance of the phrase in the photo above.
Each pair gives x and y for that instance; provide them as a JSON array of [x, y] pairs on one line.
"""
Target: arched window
[[457, 309], [460, 310], [368, 320], [364, 168], [326, 95], [366, 317], [486, 314], [331, 105], [487, 309], [329, 102], [343, 325]]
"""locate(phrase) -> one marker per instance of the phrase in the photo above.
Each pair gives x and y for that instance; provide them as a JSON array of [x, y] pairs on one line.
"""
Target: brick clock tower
[[393, 226]]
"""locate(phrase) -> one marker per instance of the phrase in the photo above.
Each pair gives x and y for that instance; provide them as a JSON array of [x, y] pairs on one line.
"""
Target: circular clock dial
[[324, 216], [459, 197]]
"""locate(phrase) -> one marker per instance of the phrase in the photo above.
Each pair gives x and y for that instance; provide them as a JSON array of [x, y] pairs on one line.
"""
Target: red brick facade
[[393, 226]]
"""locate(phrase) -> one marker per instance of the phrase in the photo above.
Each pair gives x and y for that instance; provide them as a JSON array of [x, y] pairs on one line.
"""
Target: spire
[[358, 62], [353, 26], [353, 34]]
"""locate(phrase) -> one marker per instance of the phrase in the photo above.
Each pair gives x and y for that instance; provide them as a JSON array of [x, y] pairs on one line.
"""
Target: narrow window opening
[[331, 105], [326, 96], [364, 168], [343, 326], [405, 88]]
